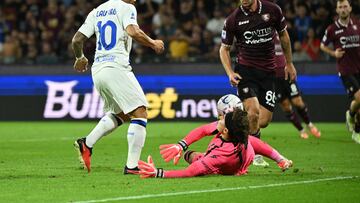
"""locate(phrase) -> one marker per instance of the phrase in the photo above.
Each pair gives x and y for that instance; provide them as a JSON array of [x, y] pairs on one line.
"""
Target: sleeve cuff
[[225, 45]]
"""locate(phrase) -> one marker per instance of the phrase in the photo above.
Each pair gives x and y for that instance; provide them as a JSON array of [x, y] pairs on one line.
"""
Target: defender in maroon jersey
[[288, 95], [344, 34], [254, 24]]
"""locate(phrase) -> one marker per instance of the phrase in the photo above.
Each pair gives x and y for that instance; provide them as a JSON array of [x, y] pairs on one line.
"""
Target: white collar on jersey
[[339, 23], [260, 8]]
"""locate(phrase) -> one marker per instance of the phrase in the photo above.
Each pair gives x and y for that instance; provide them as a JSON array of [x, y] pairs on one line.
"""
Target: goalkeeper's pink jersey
[[221, 157]]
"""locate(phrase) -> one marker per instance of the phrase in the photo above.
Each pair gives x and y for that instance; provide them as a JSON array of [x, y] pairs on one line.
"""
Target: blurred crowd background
[[40, 32]]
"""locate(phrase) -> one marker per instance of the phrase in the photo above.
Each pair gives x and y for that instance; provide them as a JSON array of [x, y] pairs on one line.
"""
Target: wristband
[[183, 145], [159, 173], [82, 55]]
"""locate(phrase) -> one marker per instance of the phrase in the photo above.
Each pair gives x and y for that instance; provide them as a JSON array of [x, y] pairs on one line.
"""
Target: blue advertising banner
[[179, 97], [184, 84]]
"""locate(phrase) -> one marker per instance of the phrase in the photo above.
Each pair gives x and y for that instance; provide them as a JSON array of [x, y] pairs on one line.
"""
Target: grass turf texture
[[38, 164]]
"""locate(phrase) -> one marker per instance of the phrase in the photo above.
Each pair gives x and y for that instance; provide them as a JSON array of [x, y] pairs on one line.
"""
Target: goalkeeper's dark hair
[[237, 123]]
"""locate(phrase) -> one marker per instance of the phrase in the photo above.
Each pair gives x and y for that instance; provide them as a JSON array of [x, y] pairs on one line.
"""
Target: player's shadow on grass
[[29, 176], [95, 169]]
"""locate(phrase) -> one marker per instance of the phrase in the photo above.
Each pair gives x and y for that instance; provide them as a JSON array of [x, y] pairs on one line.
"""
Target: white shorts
[[119, 89]]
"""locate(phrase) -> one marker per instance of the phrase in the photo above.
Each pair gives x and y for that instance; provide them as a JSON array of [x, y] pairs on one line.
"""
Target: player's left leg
[[265, 149], [252, 107], [350, 115], [283, 99], [302, 109], [352, 86], [355, 105], [266, 97], [356, 135], [265, 118], [135, 105], [247, 92]]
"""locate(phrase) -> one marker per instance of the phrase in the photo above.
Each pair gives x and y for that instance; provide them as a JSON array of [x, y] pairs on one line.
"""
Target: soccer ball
[[227, 103]]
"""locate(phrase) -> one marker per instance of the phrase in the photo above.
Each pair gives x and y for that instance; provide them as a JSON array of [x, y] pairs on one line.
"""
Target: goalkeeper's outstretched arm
[[200, 132], [194, 169], [197, 168], [174, 151]]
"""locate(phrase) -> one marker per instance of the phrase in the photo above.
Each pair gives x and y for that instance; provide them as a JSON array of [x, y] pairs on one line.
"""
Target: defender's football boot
[[84, 153], [133, 171]]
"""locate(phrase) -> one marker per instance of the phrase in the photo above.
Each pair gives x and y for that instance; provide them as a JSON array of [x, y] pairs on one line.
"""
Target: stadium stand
[[189, 28]]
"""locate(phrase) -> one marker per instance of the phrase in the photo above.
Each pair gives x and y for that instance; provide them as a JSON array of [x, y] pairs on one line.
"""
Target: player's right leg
[[84, 146], [351, 113], [108, 123], [84, 153], [265, 117]]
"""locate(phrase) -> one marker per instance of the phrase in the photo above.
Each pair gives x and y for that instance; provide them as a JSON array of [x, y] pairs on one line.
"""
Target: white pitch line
[[218, 190]]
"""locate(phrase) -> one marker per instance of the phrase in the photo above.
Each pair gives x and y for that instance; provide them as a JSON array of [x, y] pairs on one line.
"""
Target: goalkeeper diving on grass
[[230, 152]]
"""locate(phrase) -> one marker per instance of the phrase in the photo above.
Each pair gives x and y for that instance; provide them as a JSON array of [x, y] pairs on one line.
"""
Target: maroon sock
[[304, 114], [293, 118]]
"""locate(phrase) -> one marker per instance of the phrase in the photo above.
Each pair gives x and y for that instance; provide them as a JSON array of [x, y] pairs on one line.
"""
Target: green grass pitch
[[38, 164]]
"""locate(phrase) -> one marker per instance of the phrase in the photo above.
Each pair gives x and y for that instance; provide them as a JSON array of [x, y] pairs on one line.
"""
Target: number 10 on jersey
[[102, 35]]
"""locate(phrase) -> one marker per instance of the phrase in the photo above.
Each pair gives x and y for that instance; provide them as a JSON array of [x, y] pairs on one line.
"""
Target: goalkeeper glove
[[148, 169], [173, 151]]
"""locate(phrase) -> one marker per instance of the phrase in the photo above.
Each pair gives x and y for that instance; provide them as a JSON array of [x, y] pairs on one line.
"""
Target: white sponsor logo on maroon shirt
[[258, 33], [223, 34], [350, 41], [339, 31], [245, 90], [258, 36], [244, 22], [266, 17]]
